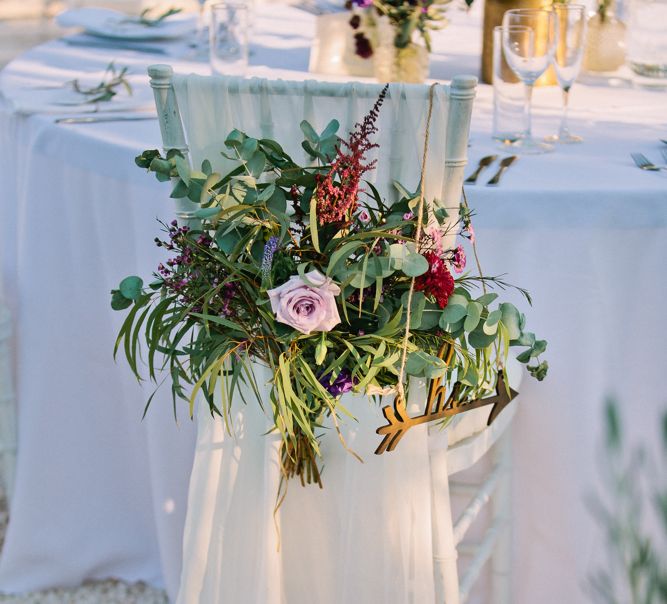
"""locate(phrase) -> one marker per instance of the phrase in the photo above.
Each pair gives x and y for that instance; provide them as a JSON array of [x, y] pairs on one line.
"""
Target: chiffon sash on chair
[[366, 537]]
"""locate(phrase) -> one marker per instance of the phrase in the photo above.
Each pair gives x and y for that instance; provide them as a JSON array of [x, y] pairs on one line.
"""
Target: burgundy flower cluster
[[337, 192], [437, 281]]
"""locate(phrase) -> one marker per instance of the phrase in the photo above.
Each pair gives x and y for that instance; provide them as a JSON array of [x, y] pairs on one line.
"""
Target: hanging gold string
[[420, 218]]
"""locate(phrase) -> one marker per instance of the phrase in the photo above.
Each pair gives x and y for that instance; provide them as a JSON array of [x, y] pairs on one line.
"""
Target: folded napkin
[[114, 24]]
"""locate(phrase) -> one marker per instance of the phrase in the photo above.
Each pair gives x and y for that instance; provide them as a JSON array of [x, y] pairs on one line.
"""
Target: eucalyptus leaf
[[487, 299], [183, 169], [414, 264], [235, 139], [511, 320], [430, 316], [119, 301], [453, 312], [130, 287], [331, 129], [479, 340], [256, 164], [309, 132], [248, 148], [473, 315]]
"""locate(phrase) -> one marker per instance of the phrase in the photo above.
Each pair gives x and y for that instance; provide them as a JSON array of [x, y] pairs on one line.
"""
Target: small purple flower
[[267, 260], [364, 216], [469, 232], [362, 3], [459, 260], [342, 384], [408, 216]]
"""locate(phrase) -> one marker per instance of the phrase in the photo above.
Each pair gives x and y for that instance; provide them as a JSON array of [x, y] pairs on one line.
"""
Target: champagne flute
[[571, 22], [529, 37]]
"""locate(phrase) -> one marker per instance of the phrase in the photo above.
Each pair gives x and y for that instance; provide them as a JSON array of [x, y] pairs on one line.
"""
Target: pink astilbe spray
[[337, 192]]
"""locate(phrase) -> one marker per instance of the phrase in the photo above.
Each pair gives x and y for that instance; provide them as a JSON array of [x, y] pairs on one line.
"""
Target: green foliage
[[148, 21], [104, 91], [207, 317], [636, 571]]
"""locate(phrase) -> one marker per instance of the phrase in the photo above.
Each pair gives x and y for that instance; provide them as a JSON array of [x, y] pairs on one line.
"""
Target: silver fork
[[641, 161]]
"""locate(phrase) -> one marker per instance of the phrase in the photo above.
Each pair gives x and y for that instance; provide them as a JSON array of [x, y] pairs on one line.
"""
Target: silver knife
[[505, 163], [154, 50], [93, 119]]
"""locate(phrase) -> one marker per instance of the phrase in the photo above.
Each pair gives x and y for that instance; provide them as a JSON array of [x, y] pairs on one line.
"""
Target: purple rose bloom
[[342, 384], [308, 305]]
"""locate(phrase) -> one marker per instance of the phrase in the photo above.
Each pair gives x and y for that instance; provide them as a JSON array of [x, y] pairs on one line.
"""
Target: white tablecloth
[[99, 493]]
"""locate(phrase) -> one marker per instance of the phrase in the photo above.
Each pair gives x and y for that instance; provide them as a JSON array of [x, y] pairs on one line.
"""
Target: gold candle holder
[[493, 16]]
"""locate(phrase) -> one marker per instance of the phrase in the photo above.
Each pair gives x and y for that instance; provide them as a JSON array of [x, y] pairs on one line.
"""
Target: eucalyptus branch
[[147, 21], [106, 89]]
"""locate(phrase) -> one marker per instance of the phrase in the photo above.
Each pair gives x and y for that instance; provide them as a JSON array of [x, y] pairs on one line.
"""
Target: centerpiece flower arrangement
[[396, 34], [308, 271]]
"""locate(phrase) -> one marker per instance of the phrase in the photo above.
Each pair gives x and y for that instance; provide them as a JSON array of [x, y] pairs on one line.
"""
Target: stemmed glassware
[[571, 24], [229, 37], [199, 45], [529, 37]]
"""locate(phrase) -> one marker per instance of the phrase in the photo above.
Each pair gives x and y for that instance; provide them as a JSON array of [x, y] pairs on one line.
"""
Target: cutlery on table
[[94, 119], [505, 163], [482, 165], [641, 161], [137, 47]]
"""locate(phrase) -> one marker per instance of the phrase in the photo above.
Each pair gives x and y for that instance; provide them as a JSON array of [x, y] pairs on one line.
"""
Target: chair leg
[[444, 548], [501, 561]]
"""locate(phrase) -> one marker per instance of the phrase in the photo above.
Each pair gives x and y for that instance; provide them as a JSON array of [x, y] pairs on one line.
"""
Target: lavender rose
[[306, 306]]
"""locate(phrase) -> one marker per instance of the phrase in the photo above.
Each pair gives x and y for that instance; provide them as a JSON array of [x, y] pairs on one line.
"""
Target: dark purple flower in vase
[[342, 384], [362, 3], [362, 46]]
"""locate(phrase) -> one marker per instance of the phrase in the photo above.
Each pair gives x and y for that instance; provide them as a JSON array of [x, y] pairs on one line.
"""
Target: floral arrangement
[[308, 271], [405, 17]]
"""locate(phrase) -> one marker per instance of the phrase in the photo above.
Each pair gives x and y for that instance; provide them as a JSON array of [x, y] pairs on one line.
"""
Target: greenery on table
[[144, 18], [112, 79], [637, 570], [306, 270]]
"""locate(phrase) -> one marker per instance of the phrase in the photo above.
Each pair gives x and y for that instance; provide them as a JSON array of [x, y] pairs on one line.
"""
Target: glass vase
[[605, 42], [391, 64]]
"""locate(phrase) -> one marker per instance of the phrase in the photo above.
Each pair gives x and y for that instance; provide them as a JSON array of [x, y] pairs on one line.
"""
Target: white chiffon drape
[[366, 537]]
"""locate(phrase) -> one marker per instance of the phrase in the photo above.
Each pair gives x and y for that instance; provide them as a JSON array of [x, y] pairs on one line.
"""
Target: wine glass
[[229, 38], [529, 37], [571, 24], [199, 45]]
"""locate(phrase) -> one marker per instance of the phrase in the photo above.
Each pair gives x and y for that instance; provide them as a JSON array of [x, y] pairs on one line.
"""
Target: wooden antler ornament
[[438, 406]]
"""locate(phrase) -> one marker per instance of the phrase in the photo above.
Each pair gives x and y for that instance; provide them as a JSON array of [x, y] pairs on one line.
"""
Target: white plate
[[109, 23]]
